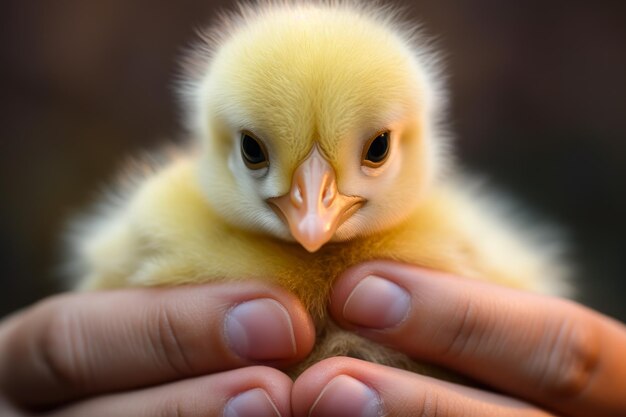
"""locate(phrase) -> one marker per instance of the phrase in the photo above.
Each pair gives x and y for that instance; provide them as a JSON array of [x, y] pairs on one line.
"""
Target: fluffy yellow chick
[[317, 145]]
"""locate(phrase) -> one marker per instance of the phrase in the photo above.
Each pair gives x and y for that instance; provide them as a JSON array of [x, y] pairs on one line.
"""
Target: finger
[[254, 391], [350, 387], [77, 345], [547, 350]]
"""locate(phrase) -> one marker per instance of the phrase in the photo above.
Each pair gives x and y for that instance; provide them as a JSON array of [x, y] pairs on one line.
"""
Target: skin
[[146, 352]]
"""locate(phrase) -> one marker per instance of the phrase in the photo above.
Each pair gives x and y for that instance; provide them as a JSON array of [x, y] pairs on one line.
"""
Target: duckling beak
[[314, 208]]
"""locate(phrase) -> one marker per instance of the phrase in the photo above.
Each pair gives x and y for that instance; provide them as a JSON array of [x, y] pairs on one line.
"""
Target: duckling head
[[318, 122]]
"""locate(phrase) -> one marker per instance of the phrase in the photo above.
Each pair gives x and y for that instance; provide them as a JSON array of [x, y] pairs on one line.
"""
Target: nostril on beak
[[330, 192], [296, 196]]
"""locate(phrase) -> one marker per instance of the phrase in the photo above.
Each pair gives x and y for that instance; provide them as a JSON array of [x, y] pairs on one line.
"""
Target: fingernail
[[253, 403], [260, 330], [345, 396], [377, 303]]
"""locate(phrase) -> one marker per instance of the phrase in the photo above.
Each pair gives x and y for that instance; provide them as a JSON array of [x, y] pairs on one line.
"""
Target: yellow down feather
[[299, 74]]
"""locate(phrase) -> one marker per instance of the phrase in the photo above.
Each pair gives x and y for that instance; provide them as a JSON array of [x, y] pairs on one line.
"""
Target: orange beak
[[313, 208]]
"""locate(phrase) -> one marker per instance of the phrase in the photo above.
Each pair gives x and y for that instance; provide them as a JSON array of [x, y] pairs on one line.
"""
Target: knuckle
[[165, 339], [570, 360], [429, 405], [173, 407], [425, 403], [462, 333], [61, 346]]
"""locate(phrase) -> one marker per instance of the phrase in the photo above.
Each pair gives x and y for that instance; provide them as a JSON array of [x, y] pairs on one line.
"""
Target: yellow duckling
[[317, 145]]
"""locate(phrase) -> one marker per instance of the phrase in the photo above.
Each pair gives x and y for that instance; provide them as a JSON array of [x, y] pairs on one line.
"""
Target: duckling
[[317, 142]]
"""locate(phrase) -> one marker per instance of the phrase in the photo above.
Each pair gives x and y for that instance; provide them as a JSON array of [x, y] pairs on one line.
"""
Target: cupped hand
[[191, 351], [538, 355]]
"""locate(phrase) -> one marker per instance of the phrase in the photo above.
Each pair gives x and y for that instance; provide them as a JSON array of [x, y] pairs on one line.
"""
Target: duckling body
[[309, 79], [162, 240]]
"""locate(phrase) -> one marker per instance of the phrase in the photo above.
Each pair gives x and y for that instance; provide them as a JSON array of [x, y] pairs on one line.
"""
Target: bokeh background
[[538, 105]]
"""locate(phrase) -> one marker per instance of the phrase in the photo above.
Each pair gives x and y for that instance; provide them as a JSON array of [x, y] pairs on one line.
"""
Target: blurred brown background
[[538, 105]]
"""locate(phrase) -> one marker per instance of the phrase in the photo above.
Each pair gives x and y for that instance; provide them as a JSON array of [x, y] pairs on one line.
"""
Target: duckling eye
[[376, 150], [253, 152]]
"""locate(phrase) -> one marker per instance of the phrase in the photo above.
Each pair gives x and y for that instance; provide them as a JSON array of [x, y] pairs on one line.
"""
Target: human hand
[[540, 355], [145, 352]]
